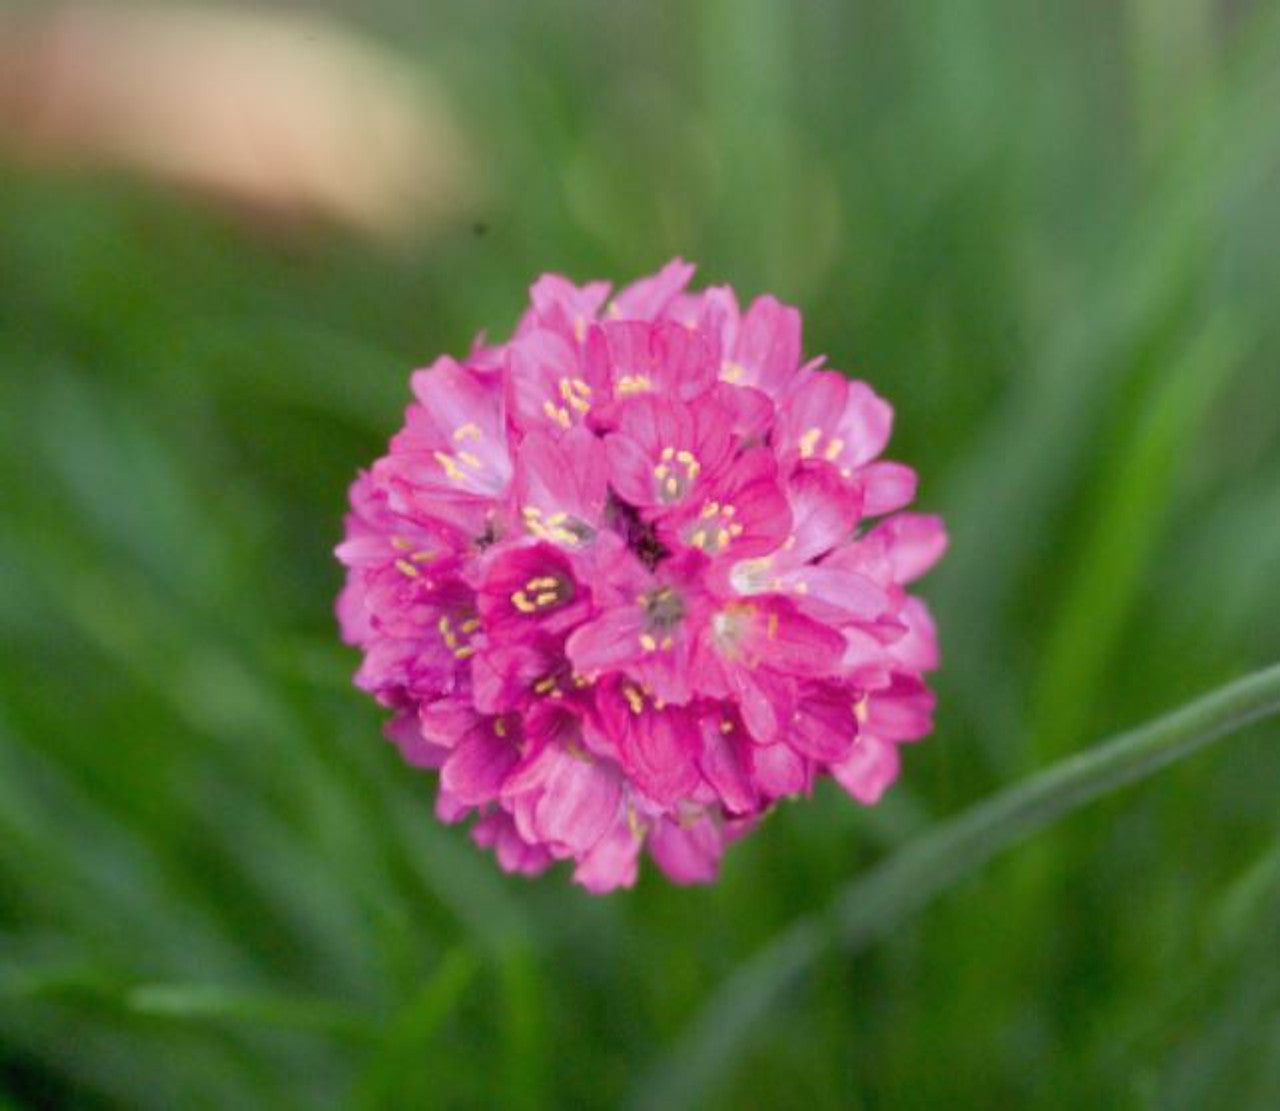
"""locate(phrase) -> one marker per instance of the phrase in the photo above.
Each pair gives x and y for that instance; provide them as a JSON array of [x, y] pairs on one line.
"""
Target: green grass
[[1045, 230]]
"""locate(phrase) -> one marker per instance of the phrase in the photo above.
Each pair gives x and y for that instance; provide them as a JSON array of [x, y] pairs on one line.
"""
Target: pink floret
[[633, 576]]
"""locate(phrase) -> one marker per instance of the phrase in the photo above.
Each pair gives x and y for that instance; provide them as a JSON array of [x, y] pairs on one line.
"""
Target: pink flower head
[[636, 574]]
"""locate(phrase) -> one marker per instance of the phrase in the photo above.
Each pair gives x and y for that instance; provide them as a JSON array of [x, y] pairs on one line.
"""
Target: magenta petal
[[725, 764], [658, 753], [914, 542], [612, 862], [687, 853], [780, 771], [476, 768], [871, 766], [648, 298], [579, 803], [886, 487], [825, 724], [611, 641]]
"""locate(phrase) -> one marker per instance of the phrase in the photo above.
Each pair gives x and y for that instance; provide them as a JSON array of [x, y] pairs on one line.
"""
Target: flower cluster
[[619, 582]]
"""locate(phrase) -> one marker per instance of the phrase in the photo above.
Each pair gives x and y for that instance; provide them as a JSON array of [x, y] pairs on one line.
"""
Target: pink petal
[[871, 766], [612, 863], [687, 853], [886, 487], [476, 768], [579, 803], [914, 542]]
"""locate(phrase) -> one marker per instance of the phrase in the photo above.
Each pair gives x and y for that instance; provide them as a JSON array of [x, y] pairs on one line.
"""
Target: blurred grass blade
[[399, 1068], [875, 903], [1131, 506], [199, 1003]]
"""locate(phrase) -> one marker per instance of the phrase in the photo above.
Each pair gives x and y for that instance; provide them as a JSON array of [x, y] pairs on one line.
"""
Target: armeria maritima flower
[[633, 576]]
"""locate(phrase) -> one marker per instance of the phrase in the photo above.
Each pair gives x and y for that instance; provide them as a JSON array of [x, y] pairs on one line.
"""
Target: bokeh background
[[1048, 230]]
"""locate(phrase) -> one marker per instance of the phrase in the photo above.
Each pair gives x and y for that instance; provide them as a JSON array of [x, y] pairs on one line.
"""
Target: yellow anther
[[712, 508], [732, 372], [648, 643], [809, 441], [556, 413], [634, 699], [521, 601], [449, 465], [735, 529], [860, 710], [667, 644], [406, 568], [468, 431], [834, 447], [465, 652], [633, 383], [723, 538], [499, 727], [471, 460], [668, 453], [547, 598], [773, 626], [545, 686], [400, 544], [671, 486], [570, 393], [470, 626], [686, 457], [699, 538]]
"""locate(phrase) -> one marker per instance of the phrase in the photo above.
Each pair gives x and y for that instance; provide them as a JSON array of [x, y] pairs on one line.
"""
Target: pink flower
[[621, 582]]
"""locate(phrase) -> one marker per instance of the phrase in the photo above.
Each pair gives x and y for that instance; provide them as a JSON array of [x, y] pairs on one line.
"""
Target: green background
[[1047, 230]]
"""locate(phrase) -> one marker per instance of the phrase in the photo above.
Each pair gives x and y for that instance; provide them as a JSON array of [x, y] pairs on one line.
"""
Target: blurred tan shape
[[287, 113]]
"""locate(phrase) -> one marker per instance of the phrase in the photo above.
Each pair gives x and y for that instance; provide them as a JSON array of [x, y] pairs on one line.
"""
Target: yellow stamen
[[633, 383], [449, 466]]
